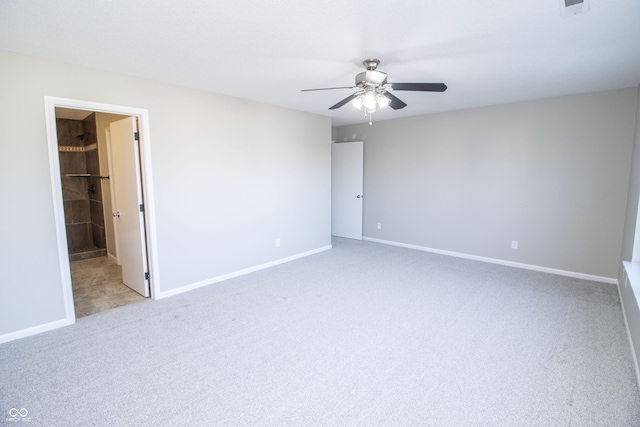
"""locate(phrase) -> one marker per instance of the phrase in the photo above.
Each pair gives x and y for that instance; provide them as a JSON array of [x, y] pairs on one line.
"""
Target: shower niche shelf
[[85, 175]]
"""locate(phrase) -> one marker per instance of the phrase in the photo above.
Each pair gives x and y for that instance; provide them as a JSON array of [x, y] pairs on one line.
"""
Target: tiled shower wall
[[82, 196]]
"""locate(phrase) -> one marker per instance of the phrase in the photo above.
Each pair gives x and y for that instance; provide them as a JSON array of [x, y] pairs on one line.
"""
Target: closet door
[[346, 189]]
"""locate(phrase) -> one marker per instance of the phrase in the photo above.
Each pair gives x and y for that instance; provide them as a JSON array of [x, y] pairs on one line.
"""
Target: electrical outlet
[[379, 226], [514, 244], [277, 243]]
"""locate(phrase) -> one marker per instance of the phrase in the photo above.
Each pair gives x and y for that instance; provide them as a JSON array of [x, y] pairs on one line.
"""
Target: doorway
[[85, 205]]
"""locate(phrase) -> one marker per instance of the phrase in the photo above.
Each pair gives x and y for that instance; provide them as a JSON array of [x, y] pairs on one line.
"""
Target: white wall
[[552, 174], [230, 176]]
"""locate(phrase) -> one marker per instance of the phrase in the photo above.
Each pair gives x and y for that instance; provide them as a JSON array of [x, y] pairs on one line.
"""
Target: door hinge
[[146, 276], [141, 207], [136, 136]]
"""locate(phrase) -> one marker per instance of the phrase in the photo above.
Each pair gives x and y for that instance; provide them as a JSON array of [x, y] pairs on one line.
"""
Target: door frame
[[56, 187]]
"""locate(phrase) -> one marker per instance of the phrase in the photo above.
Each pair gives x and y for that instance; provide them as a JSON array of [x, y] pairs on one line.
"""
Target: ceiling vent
[[573, 7]]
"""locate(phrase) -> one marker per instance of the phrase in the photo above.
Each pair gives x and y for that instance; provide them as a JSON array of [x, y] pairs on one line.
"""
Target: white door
[[346, 189], [128, 207]]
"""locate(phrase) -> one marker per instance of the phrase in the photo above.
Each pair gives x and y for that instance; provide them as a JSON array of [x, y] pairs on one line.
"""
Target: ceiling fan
[[374, 90]]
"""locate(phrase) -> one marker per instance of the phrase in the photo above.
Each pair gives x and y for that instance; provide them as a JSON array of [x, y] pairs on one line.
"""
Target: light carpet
[[362, 334]]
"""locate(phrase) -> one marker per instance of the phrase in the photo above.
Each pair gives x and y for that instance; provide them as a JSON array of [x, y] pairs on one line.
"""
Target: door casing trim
[[56, 187]]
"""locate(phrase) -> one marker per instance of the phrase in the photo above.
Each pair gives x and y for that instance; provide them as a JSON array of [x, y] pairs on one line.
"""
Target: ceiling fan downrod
[[371, 64]]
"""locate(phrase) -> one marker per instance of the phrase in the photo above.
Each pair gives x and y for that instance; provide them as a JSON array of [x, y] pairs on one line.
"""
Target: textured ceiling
[[487, 52]]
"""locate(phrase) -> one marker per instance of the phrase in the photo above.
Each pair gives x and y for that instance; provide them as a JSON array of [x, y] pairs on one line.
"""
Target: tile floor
[[97, 286]]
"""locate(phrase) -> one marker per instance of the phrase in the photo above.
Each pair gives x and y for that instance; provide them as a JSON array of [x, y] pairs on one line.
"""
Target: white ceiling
[[488, 52]]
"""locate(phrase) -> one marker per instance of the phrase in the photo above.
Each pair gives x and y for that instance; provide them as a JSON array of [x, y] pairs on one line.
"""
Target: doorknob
[[359, 196], [116, 214]]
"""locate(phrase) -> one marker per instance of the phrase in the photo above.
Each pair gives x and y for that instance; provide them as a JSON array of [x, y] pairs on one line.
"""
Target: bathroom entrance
[[103, 208]]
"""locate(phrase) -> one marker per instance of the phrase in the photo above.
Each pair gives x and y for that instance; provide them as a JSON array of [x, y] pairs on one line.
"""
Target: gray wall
[[552, 174], [628, 298], [230, 176]]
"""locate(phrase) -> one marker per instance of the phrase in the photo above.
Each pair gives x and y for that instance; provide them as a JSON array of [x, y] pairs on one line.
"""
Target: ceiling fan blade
[[395, 103], [328, 88], [344, 101], [424, 87]]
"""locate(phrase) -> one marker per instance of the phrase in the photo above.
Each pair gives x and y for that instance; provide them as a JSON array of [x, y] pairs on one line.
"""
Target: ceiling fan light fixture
[[370, 100], [383, 101], [357, 102]]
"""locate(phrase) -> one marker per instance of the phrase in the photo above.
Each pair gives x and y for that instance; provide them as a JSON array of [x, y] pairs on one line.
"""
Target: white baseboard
[[574, 274], [35, 330], [187, 288]]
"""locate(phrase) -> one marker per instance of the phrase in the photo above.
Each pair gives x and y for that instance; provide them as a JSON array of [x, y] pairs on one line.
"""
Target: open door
[[346, 189], [128, 205]]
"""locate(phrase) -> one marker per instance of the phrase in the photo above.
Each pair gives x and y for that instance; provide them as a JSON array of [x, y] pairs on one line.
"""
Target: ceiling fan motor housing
[[371, 78]]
